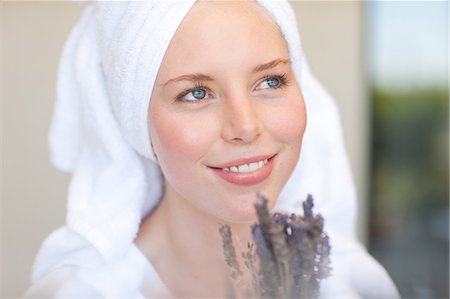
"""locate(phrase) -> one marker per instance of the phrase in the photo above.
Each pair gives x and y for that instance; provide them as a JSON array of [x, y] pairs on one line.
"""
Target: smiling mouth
[[245, 168], [246, 172]]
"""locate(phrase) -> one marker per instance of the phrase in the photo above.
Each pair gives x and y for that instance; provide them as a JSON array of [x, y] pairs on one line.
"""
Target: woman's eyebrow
[[202, 77], [270, 65], [189, 77]]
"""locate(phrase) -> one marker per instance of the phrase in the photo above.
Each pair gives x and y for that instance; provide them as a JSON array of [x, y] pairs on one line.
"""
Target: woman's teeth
[[247, 167]]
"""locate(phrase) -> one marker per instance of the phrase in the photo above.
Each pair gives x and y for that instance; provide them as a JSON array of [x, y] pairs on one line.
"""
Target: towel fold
[[99, 129]]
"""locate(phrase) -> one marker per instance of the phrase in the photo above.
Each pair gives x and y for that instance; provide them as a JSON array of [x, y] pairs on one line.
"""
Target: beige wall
[[1, 147], [33, 193], [333, 38]]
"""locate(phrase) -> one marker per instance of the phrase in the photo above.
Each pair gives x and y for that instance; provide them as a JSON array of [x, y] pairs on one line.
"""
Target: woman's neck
[[185, 247]]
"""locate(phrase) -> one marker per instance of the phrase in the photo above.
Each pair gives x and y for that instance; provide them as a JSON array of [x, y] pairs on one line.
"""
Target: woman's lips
[[246, 172]]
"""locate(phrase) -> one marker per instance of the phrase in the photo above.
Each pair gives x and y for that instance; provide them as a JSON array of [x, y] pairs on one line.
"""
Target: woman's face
[[226, 117]]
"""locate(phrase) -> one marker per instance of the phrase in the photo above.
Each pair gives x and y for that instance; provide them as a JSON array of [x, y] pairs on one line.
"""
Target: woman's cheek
[[184, 139], [288, 123]]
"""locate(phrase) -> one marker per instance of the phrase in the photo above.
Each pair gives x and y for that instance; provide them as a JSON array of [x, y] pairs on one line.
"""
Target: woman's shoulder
[[62, 283], [353, 265], [68, 265]]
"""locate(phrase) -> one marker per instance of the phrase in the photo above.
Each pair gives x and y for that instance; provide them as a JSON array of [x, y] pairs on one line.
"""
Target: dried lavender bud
[[250, 262], [268, 283], [264, 249], [312, 250], [275, 237], [323, 251], [273, 230], [229, 252], [265, 222], [281, 218], [303, 257], [308, 204]]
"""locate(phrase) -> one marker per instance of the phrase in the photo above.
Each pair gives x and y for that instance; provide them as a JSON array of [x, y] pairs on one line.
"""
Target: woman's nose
[[241, 120]]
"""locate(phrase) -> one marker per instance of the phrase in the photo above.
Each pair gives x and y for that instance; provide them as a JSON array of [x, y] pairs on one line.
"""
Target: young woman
[[172, 116]]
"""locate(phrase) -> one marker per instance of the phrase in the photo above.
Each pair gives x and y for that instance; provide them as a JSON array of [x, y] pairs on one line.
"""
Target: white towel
[[99, 130]]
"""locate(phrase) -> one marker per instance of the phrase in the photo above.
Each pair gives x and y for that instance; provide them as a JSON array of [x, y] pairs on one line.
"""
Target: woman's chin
[[244, 212], [242, 217]]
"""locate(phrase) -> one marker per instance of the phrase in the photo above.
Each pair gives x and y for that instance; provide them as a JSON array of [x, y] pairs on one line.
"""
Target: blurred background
[[407, 55], [385, 63]]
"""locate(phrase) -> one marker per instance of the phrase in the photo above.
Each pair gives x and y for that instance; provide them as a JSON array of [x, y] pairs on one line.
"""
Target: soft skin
[[232, 56]]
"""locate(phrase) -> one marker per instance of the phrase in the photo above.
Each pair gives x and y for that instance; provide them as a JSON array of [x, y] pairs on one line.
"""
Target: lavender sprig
[[250, 262], [275, 240], [230, 253], [293, 253]]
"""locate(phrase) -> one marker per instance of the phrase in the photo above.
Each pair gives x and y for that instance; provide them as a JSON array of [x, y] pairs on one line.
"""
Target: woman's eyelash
[[283, 80], [198, 86]]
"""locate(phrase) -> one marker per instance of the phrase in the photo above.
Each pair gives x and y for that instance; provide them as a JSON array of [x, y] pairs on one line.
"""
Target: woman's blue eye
[[272, 82], [199, 94], [194, 95]]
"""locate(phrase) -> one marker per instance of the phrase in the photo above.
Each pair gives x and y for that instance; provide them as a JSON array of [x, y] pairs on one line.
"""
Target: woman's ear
[[154, 153]]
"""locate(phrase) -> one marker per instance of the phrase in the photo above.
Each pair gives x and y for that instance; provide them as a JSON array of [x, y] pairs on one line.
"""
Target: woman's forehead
[[224, 12], [232, 32]]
